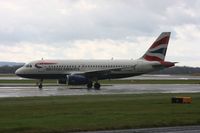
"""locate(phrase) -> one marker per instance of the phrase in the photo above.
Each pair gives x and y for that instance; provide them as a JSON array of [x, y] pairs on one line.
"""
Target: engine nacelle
[[77, 80], [74, 80]]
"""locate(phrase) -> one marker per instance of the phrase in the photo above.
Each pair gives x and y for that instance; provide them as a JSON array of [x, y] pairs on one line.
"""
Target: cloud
[[80, 49], [68, 20], [185, 45], [97, 29]]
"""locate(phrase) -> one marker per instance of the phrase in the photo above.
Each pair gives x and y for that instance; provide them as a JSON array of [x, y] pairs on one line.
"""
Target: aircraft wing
[[95, 72], [103, 72]]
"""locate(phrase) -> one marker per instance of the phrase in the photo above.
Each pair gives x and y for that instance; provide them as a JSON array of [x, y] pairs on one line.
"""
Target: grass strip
[[59, 114]]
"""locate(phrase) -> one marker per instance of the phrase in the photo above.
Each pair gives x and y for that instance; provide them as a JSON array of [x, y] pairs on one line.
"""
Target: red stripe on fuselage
[[46, 63]]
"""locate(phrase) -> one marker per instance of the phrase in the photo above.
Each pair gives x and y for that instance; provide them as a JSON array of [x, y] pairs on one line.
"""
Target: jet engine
[[74, 80]]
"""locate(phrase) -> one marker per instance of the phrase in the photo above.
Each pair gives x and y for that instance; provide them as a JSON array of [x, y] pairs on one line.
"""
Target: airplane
[[89, 72]]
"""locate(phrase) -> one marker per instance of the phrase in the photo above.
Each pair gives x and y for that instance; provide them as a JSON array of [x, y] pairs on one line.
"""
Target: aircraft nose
[[18, 72]]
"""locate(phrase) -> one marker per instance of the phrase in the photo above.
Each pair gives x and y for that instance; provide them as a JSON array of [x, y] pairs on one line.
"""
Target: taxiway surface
[[179, 129], [23, 91]]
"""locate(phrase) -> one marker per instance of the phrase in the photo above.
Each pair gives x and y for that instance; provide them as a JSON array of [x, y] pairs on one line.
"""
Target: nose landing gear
[[40, 84]]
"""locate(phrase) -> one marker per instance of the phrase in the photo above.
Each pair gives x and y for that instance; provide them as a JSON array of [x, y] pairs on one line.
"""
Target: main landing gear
[[97, 85]]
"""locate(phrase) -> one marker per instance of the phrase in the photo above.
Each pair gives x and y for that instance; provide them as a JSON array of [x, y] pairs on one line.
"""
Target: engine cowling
[[74, 80]]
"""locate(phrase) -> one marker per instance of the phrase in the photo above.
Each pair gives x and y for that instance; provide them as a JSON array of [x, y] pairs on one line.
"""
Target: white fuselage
[[58, 69]]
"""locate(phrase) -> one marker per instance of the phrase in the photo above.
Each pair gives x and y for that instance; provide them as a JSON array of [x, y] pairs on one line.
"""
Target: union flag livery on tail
[[89, 72], [158, 49]]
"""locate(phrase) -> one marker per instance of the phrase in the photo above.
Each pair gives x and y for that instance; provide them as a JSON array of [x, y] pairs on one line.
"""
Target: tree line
[[8, 69]]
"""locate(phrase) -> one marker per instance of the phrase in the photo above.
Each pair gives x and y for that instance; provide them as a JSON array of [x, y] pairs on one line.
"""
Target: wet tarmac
[[30, 90], [179, 129]]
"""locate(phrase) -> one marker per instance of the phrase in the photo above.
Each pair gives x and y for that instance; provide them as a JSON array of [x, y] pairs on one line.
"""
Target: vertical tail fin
[[158, 49]]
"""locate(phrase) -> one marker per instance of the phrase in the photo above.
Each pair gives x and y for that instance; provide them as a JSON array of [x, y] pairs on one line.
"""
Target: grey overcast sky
[[98, 29]]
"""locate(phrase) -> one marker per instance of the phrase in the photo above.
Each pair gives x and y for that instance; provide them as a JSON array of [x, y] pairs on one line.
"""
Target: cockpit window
[[28, 65]]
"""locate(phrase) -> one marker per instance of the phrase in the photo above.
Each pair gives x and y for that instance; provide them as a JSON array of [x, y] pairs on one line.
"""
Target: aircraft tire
[[40, 86], [89, 85], [97, 86]]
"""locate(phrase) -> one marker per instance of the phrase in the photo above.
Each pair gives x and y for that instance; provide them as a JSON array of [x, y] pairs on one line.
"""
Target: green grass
[[7, 75], [25, 81], [61, 114]]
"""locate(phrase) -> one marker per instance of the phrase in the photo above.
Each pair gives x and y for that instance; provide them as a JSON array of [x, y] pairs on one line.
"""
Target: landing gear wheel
[[40, 86], [89, 85], [97, 86]]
